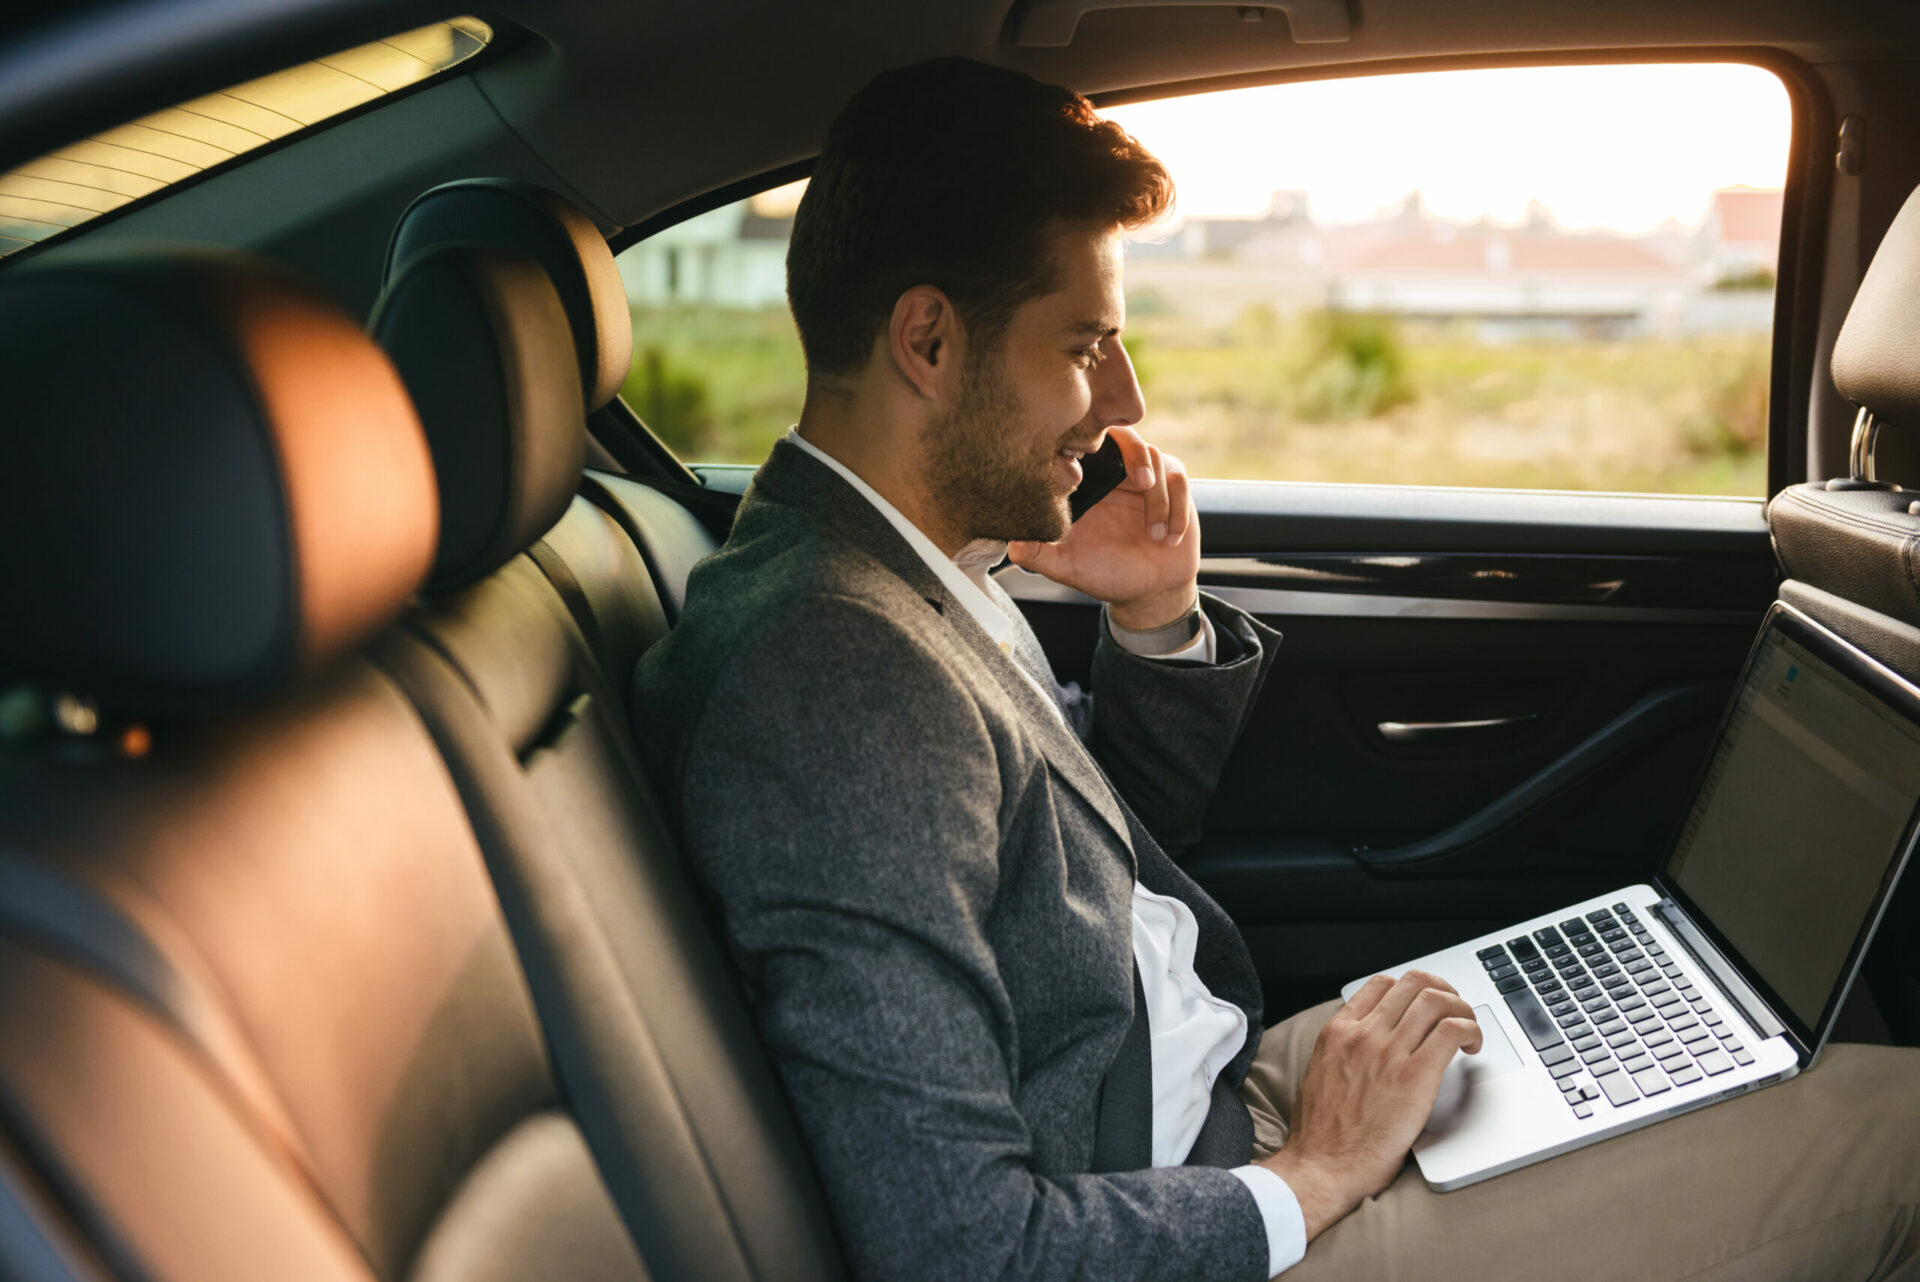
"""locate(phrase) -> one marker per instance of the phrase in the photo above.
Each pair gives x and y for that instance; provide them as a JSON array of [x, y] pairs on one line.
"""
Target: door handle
[[1405, 732]]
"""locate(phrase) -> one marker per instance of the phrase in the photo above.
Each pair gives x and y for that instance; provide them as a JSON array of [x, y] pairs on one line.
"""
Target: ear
[[923, 339]]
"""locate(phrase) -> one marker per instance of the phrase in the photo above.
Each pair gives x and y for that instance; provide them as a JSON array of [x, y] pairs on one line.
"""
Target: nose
[[1117, 399]]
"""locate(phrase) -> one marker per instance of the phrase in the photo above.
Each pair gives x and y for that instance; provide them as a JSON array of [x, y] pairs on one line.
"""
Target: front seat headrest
[[482, 342], [1876, 360], [501, 213], [210, 479]]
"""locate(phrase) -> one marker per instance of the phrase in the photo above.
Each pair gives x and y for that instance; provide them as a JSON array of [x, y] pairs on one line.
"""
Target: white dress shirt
[[1194, 1034]]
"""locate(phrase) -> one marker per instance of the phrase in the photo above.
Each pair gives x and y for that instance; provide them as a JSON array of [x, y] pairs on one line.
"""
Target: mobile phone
[[1100, 472]]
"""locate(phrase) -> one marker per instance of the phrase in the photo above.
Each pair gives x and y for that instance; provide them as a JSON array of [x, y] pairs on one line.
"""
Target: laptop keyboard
[[1610, 1014]]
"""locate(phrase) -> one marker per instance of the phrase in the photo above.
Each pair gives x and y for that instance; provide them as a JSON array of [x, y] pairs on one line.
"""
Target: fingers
[[1158, 499], [1367, 998], [1030, 556], [1395, 1001], [1455, 1033], [1431, 1007], [1180, 517], [1138, 456]]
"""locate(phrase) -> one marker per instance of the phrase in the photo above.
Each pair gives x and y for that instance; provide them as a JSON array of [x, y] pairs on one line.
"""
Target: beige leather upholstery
[[650, 1040], [226, 482], [500, 213], [358, 1086]]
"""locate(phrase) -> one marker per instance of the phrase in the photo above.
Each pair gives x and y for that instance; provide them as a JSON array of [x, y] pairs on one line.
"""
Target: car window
[[1529, 277], [1511, 278], [717, 370], [78, 183]]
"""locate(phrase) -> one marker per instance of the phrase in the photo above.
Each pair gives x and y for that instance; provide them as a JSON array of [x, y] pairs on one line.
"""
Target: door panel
[[1485, 704]]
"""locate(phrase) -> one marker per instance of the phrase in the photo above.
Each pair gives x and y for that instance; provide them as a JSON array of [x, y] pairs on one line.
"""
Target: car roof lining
[[590, 74], [763, 104]]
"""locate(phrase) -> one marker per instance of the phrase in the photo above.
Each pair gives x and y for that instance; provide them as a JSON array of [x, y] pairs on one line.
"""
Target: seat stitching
[[1859, 520]]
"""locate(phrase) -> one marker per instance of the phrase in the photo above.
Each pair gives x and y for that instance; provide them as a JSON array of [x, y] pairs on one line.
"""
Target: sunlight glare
[[1622, 147]]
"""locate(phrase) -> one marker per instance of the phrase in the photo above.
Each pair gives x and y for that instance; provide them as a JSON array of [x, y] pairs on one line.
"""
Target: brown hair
[[954, 174]]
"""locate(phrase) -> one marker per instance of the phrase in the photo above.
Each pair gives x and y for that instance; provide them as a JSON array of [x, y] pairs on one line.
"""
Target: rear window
[[69, 187]]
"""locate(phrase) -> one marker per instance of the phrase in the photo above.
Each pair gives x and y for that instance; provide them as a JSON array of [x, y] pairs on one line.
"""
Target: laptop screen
[[1802, 816]]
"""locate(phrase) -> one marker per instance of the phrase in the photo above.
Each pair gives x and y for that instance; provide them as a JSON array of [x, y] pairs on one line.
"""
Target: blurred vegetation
[[1755, 278], [673, 401], [717, 384], [1357, 368], [1312, 396]]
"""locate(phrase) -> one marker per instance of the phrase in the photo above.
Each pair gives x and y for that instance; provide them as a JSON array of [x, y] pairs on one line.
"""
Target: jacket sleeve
[[842, 796], [1162, 729]]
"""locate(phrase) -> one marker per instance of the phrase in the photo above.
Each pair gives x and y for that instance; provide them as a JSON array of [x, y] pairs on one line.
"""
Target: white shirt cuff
[[1199, 650], [1280, 1210]]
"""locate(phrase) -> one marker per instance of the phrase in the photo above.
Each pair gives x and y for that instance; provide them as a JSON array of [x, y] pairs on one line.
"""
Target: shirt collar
[[964, 576]]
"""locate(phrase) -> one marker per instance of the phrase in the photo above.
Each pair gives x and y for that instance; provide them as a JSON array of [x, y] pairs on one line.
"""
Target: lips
[[1084, 448], [1070, 455]]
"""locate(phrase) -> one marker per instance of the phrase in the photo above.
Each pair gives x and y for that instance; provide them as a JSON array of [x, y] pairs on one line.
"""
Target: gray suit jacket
[[926, 878]]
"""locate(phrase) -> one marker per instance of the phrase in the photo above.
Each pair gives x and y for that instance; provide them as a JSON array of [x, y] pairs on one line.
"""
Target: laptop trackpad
[[1496, 1059]]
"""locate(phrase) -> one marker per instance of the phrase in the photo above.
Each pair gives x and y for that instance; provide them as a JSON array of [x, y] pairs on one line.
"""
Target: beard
[[993, 480]]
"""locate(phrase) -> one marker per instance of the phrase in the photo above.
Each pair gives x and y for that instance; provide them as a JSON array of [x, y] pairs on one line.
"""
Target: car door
[[1484, 705], [1489, 701]]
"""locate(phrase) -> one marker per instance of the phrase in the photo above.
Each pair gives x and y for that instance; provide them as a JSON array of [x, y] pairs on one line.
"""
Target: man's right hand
[[1368, 1089]]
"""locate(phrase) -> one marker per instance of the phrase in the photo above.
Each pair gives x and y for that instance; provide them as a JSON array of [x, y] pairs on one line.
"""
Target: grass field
[[1312, 398]]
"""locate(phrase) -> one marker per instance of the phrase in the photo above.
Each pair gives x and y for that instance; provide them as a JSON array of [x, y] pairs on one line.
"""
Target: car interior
[[343, 935]]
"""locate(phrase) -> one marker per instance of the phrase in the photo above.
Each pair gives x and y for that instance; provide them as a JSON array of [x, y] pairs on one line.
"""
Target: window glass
[[79, 182], [1541, 277], [1527, 277], [717, 371]]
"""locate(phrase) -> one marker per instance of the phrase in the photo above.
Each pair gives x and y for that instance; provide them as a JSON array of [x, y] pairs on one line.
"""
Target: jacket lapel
[[1061, 747], [794, 479]]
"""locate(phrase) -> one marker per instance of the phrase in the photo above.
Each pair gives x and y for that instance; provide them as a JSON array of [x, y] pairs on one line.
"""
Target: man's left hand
[[1138, 549]]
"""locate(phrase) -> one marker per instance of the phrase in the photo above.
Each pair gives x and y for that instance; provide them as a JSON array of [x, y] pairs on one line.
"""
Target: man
[[1019, 1040]]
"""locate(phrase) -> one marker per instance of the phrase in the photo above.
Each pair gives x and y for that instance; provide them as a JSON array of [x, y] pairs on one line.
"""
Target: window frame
[[1799, 272]]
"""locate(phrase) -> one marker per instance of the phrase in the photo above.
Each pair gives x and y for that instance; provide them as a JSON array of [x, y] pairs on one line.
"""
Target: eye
[[1089, 356]]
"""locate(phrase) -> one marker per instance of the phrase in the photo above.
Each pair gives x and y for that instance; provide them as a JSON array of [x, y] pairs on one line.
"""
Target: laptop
[[1725, 974]]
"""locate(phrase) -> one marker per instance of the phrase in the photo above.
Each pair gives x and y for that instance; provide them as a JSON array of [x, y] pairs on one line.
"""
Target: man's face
[[1003, 458]]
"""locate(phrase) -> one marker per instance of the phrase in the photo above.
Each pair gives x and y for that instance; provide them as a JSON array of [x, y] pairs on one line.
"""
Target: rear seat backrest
[[590, 553], [649, 1037], [1851, 554], [235, 496]]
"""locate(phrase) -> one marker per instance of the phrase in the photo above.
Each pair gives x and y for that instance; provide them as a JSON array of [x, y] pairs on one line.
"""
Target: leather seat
[[260, 1015], [1851, 555], [606, 591], [651, 1043]]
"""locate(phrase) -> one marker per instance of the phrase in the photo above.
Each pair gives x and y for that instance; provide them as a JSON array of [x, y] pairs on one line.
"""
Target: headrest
[[499, 213], [210, 480], [482, 342], [1876, 360]]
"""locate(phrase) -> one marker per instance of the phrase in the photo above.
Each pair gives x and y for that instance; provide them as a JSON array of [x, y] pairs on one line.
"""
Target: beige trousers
[[1817, 1178]]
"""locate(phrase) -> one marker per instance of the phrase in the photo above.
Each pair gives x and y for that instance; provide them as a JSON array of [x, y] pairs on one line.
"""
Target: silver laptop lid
[[1804, 818]]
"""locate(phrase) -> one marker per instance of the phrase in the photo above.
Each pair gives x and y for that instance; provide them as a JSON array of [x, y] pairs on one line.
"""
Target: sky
[[1617, 147]]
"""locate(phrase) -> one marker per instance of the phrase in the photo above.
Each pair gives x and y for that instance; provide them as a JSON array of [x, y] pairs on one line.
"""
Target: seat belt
[[30, 1250], [561, 576], [1123, 1120], [66, 917], [714, 509]]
